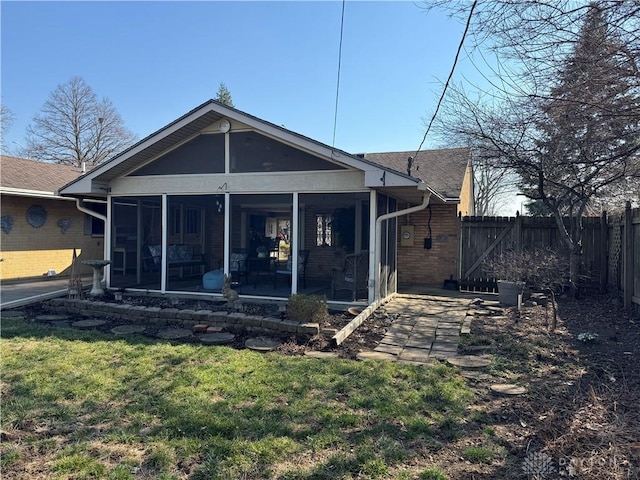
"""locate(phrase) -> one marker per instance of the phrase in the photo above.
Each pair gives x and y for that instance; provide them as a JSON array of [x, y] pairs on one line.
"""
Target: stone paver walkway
[[425, 327]]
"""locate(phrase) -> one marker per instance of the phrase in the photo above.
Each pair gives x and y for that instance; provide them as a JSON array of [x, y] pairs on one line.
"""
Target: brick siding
[[416, 265], [29, 252]]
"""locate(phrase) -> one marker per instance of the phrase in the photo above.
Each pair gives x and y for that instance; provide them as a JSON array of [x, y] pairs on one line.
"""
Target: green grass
[[433, 473], [477, 454], [90, 405]]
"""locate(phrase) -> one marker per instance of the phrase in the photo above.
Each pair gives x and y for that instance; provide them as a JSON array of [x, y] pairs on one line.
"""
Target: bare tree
[[74, 127], [563, 106], [7, 117], [493, 188]]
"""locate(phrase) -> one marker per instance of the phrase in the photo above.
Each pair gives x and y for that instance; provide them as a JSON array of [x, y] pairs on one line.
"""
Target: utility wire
[[446, 85], [335, 117]]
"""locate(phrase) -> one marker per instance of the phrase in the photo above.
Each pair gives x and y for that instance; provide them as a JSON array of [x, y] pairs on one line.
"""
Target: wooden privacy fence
[[610, 249]]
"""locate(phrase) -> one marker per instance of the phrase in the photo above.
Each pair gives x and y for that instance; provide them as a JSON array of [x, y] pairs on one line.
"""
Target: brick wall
[[417, 265], [29, 252]]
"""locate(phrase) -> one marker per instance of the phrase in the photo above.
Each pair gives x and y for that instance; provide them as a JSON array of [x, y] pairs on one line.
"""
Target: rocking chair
[[352, 276]]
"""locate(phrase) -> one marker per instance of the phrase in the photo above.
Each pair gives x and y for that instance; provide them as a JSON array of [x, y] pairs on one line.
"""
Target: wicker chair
[[352, 276]]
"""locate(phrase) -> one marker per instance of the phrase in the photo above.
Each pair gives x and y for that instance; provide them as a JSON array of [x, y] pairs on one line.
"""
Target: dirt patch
[[580, 415]]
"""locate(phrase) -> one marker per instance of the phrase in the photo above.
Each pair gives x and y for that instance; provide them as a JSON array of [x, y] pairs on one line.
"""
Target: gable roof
[[21, 176], [442, 170], [206, 115]]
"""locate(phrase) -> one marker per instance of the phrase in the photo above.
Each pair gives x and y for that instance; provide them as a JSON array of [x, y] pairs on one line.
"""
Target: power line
[[446, 85], [335, 117]]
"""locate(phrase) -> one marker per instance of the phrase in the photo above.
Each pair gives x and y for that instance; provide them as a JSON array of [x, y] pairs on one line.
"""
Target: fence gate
[[482, 238]]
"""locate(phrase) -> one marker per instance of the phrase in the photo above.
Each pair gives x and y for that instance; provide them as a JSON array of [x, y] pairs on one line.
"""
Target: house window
[[323, 230], [188, 223], [94, 226], [191, 221]]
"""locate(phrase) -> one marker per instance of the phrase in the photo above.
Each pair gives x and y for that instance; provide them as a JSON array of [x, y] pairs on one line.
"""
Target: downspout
[[80, 206], [83, 209], [425, 203]]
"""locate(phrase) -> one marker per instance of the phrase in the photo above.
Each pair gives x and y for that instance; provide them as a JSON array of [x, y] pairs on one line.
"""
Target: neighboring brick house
[[449, 173], [39, 228], [219, 191]]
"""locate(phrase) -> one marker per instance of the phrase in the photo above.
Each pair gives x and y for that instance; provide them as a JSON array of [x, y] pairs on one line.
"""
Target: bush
[[542, 268], [307, 308]]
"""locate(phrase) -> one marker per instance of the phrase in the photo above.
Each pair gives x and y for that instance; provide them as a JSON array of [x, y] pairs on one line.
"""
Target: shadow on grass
[[215, 412]]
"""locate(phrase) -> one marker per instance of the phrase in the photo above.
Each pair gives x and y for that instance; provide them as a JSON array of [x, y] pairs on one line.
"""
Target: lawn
[[79, 404]]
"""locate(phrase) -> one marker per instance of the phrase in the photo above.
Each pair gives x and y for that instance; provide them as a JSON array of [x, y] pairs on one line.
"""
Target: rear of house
[[220, 192]]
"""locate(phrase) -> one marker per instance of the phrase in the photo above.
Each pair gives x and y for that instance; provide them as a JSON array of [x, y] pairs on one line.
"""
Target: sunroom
[[221, 193]]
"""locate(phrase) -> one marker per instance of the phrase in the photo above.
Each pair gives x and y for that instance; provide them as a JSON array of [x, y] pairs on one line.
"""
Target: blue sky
[[157, 60]]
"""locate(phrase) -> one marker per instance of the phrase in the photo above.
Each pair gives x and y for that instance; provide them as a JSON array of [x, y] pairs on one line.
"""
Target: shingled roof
[[23, 176], [442, 170]]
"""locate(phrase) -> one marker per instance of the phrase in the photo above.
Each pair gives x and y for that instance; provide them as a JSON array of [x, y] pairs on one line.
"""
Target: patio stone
[[443, 354], [418, 341], [371, 355], [508, 389], [51, 318], [391, 349], [221, 338], [420, 355], [469, 361], [262, 344], [62, 324], [89, 323], [128, 329], [320, 355], [174, 333], [15, 314]]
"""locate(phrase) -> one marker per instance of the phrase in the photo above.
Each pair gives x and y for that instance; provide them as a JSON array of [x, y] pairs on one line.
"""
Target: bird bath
[[97, 266]]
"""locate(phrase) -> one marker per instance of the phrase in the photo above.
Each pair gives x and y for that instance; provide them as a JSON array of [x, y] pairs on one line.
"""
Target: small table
[[97, 266]]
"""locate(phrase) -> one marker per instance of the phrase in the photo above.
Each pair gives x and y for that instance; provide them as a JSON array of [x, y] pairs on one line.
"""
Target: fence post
[[604, 252], [627, 256]]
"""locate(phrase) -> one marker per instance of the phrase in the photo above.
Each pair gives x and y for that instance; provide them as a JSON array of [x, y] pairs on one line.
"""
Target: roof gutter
[[80, 206], [425, 203]]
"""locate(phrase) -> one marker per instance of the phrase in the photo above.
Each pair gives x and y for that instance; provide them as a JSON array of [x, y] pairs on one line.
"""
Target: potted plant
[[542, 269], [510, 271]]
